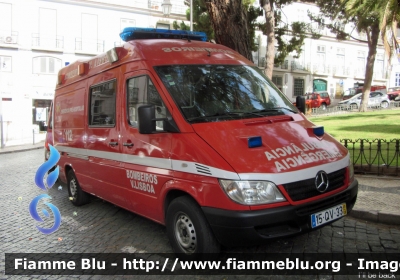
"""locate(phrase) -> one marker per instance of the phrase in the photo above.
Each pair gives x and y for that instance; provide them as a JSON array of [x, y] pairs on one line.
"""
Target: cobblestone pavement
[[100, 227]]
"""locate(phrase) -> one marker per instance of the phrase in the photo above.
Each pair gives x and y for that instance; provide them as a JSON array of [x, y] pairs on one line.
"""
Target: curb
[[376, 216], [20, 150]]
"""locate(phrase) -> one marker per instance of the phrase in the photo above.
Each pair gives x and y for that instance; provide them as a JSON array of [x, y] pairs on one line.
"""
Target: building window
[[47, 28], [278, 81], [5, 20], [360, 70], [340, 65], [46, 65], [89, 34], [320, 60], [298, 88], [300, 15], [125, 22], [5, 64], [102, 101], [397, 80], [378, 66]]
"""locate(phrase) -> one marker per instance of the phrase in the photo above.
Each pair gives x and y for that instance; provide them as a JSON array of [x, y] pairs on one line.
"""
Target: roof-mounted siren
[[112, 55], [135, 33], [60, 79]]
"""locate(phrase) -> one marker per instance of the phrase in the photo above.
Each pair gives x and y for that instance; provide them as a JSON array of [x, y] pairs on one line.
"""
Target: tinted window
[[102, 101], [141, 90]]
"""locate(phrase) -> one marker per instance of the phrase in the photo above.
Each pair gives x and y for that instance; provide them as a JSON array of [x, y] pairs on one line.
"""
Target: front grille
[[306, 189]]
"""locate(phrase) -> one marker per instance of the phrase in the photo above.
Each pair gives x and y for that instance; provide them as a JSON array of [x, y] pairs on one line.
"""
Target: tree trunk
[[268, 6], [229, 20], [369, 69]]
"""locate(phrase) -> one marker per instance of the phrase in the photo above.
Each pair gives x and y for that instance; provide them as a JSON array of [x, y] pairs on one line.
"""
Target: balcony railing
[[321, 68], [297, 66], [47, 42], [341, 71], [89, 46]]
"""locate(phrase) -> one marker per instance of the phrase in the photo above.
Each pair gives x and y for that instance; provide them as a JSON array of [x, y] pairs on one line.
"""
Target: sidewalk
[[21, 148], [378, 197]]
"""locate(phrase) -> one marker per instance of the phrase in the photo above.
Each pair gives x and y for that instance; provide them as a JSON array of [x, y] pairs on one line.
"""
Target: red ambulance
[[193, 136]]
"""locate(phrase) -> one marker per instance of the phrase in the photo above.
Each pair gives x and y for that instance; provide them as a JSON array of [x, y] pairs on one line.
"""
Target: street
[[100, 227]]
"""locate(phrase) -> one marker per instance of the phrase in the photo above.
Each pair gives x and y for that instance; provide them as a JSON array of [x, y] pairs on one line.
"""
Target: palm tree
[[390, 19]]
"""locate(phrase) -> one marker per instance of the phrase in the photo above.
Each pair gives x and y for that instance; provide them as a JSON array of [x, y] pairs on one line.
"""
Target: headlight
[[252, 192]]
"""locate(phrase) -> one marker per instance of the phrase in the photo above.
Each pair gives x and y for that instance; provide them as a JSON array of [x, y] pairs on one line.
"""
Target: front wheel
[[323, 106], [77, 196], [353, 106], [188, 230], [384, 104]]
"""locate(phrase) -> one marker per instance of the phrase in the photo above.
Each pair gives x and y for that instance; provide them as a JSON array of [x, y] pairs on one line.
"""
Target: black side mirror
[[301, 103], [147, 120]]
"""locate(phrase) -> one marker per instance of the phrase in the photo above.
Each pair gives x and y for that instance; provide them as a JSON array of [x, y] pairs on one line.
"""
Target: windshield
[[209, 93]]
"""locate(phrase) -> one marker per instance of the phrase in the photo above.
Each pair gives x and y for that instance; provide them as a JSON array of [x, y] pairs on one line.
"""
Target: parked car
[[393, 93], [353, 91], [376, 99], [319, 99]]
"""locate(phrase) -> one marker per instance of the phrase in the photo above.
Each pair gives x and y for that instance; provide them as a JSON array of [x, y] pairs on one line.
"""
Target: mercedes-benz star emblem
[[321, 181]]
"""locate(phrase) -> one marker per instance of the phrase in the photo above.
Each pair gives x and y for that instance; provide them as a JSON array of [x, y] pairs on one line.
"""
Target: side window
[[141, 90], [102, 104]]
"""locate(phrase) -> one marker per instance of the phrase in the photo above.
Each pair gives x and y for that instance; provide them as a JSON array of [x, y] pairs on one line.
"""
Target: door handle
[[128, 144], [113, 143]]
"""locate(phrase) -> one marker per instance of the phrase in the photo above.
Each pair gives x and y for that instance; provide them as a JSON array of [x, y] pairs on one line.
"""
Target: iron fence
[[375, 157]]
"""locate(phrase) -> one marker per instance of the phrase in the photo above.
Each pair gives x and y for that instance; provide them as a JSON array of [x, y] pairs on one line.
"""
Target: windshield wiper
[[211, 116], [274, 110]]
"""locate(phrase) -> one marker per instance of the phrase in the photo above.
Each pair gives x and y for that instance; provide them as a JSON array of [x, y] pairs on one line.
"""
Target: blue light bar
[[254, 141], [134, 33], [318, 130]]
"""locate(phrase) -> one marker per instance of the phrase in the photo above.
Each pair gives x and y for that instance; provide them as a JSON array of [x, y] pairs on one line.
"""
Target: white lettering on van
[[98, 61], [68, 134], [72, 109], [292, 156], [142, 181], [72, 74], [196, 49]]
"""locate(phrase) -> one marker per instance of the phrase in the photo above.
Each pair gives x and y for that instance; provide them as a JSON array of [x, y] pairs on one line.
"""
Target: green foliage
[[252, 15], [181, 26]]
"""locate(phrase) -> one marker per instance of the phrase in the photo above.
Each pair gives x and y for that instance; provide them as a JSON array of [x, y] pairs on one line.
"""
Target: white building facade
[[38, 37]]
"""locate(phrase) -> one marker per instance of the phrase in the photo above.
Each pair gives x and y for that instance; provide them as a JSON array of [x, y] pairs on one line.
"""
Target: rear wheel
[[76, 194], [188, 230], [323, 106]]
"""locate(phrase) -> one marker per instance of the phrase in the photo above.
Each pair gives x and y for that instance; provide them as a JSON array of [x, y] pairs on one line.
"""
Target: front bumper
[[237, 228]]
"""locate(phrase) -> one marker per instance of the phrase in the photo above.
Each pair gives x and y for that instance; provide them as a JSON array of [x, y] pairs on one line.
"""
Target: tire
[[77, 196], [353, 106], [384, 105], [323, 106], [188, 230]]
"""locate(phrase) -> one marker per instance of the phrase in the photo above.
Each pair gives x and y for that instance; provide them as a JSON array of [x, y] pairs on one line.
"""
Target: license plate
[[328, 215]]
